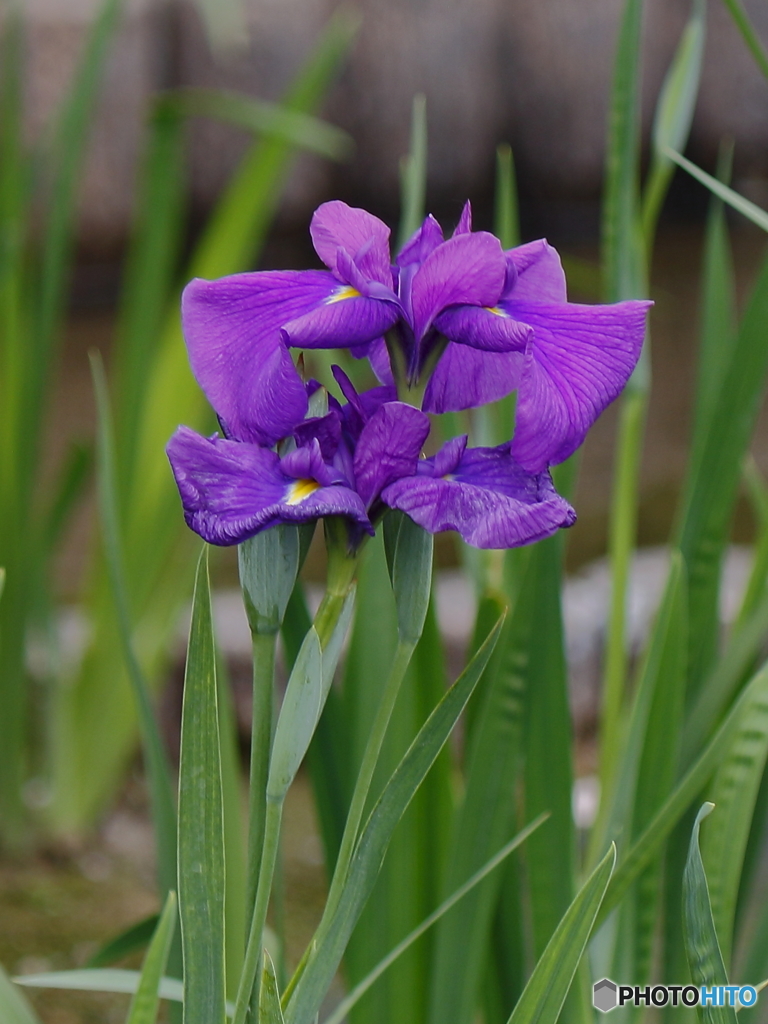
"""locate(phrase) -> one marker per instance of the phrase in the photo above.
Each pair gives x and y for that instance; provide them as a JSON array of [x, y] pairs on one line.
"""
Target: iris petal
[[577, 363], [231, 490], [489, 499]]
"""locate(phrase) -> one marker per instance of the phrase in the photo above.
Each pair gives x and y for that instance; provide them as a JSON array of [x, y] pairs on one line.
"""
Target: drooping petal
[[378, 357], [489, 499], [466, 377], [343, 320], [231, 490], [388, 448], [578, 361], [366, 238], [421, 243], [465, 270], [232, 330], [540, 276], [489, 329]]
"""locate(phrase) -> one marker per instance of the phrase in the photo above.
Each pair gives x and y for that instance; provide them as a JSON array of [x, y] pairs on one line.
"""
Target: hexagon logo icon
[[605, 995]]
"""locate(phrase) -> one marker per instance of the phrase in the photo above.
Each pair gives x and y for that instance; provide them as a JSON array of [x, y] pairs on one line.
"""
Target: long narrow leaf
[[734, 791], [158, 768], [201, 821], [544, 995], [744, 206], [701, 944], [145, 1003], [413, 172], [14, 1008], [744, 26]]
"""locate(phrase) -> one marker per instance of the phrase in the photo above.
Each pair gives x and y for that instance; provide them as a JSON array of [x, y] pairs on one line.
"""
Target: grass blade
[[270, 1011], [718, 311], [547, 737], [544, 995], [145, 1003], [744, 26], [712, 484], [722, 191], [413, 173], [506, 211], [734, 791], [674, 114], [138, 936], [701, 946], [264, 118], [14, 1008], [201, 821], [157, 766]]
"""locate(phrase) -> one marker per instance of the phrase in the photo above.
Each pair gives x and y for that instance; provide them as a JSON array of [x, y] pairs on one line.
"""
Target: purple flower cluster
[[455, 323]]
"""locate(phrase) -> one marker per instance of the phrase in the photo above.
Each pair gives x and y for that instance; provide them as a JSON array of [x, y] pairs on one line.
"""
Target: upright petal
[[488, 498], [231, 490], [389, 447], [465, 270], [465, 378], [421, 243], [540, 276], [232, 330], [366, 238], [464, 227], [578, 361]]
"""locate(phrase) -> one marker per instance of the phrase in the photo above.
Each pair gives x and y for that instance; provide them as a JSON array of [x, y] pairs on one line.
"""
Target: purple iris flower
[[237, 328], [355, 461], [333, 465], [483, 322]]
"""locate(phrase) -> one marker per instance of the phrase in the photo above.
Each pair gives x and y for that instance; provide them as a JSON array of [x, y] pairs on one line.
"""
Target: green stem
[[623, 530], [250, 978], [403, 656], [264, 645]]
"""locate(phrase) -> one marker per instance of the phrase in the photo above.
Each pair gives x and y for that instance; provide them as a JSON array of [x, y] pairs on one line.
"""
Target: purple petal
[[338, 226], [578, 361], [326, 429], [540, 276], [466, 270], [488, 499], [232, 490], [466, 377], [464, 227], [492, 330], [341, 321], [232, 330], [388, 448], [378, 356], [421, 243], [307, 463]]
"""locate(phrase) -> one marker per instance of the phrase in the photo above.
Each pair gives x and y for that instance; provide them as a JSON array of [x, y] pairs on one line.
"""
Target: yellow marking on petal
[[301, 489], [343, 293], [495, 310]]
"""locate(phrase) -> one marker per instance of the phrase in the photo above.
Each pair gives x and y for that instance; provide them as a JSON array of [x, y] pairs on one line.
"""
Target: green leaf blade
[[544, 995], [201, 822], [146, 1001], [701, 945]]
